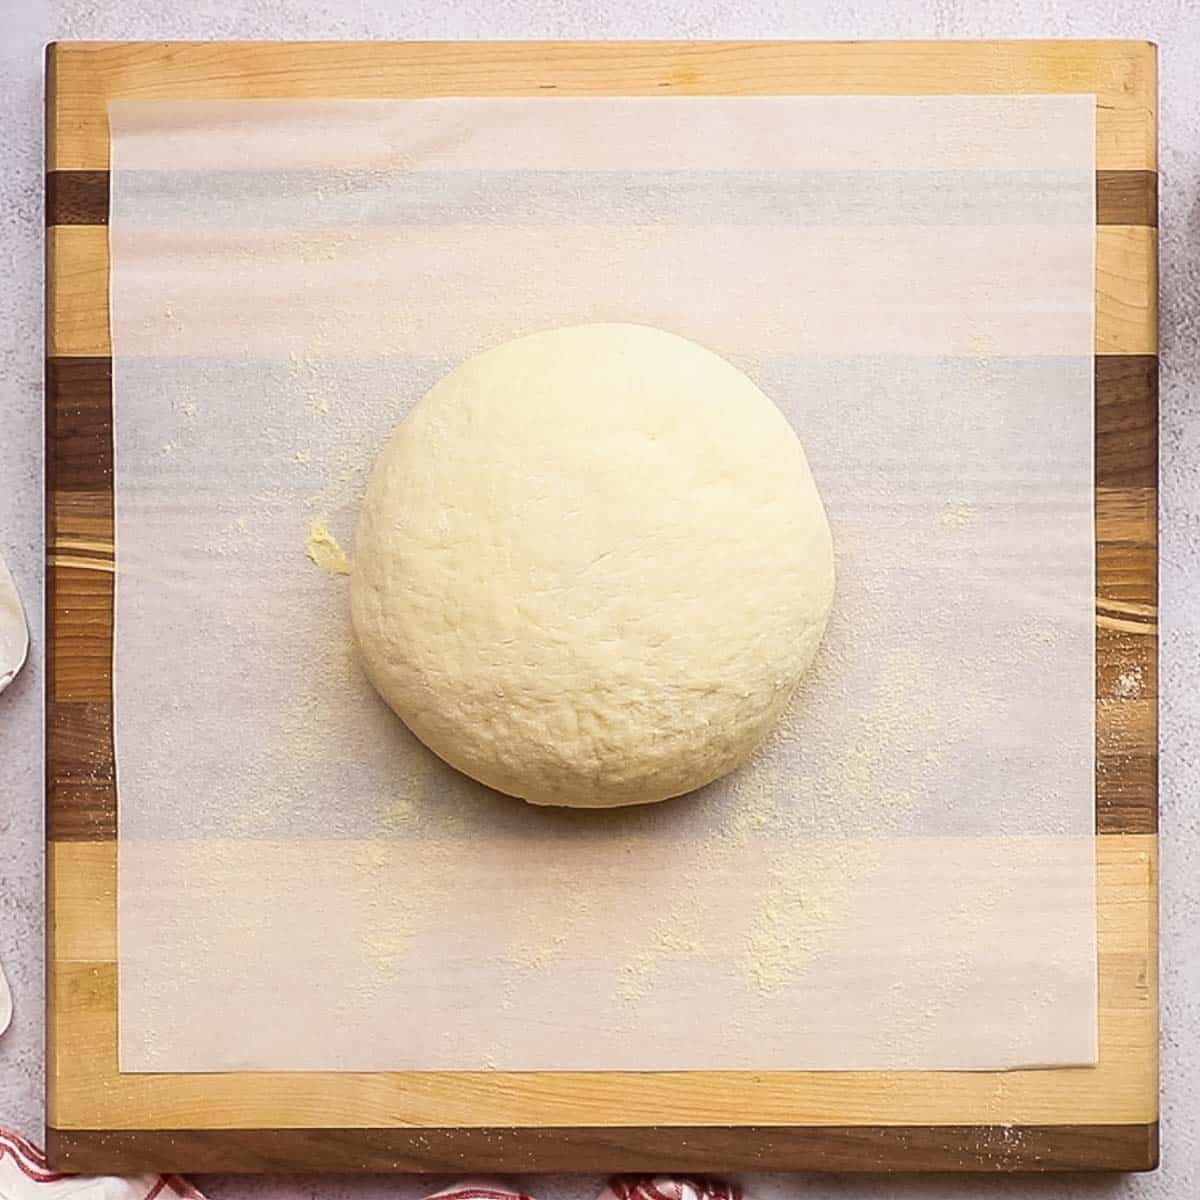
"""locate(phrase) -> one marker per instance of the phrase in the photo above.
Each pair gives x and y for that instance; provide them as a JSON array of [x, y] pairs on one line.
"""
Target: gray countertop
[[1173, 24]]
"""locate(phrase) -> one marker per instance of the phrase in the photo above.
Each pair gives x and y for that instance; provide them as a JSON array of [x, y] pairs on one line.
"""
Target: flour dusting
[[959, 516], [1129, 684]]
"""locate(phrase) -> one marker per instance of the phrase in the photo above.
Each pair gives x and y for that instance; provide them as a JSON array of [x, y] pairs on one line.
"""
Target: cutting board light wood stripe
[[82, 76], [77, 308], [1121, 1090], [102, 1121]]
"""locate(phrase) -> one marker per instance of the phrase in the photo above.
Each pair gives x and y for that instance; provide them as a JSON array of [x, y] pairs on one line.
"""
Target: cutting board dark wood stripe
[[1126, 421], [80, 771], [81, 198], [685, 1149], [1127, 198], [102, 1121], [79, 422]]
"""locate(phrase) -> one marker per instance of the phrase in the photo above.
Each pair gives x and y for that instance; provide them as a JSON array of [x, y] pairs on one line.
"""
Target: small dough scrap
[[591, 567], [322, 548]]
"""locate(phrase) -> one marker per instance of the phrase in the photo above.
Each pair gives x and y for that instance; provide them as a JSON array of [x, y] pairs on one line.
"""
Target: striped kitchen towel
[[621, 1187], [25, 1176]]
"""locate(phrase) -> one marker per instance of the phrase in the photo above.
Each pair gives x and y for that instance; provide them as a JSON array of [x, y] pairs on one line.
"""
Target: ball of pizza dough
[[591, 567]]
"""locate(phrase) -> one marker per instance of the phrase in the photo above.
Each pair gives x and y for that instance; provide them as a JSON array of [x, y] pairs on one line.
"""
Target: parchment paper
[[901, 878]]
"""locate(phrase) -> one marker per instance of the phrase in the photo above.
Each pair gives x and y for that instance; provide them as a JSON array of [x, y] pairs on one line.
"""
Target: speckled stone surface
[[1174, 24]]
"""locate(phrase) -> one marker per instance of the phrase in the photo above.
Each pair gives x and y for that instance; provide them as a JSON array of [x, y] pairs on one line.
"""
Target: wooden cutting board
[[102, 1121]]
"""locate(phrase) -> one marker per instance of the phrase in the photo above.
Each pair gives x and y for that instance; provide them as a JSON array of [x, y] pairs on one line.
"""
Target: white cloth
[[24, 1175], [14, 632]]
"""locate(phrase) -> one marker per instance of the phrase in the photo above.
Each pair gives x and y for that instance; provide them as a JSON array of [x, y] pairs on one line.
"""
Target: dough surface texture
[[591, 567]]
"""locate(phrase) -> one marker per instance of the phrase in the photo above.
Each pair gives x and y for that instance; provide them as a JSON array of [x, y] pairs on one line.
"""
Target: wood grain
[[1122, 198], [1126, 575], [81, 198], [82, 76], [88, 1092], [689, 1150], [80, 605], [77, 303], [79, 450], [103, 1121], [77, 307], [1126, 421], [1126, 290], [80, 772]]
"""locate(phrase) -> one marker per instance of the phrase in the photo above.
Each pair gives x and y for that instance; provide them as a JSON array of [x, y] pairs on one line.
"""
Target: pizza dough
[[591, 567]]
